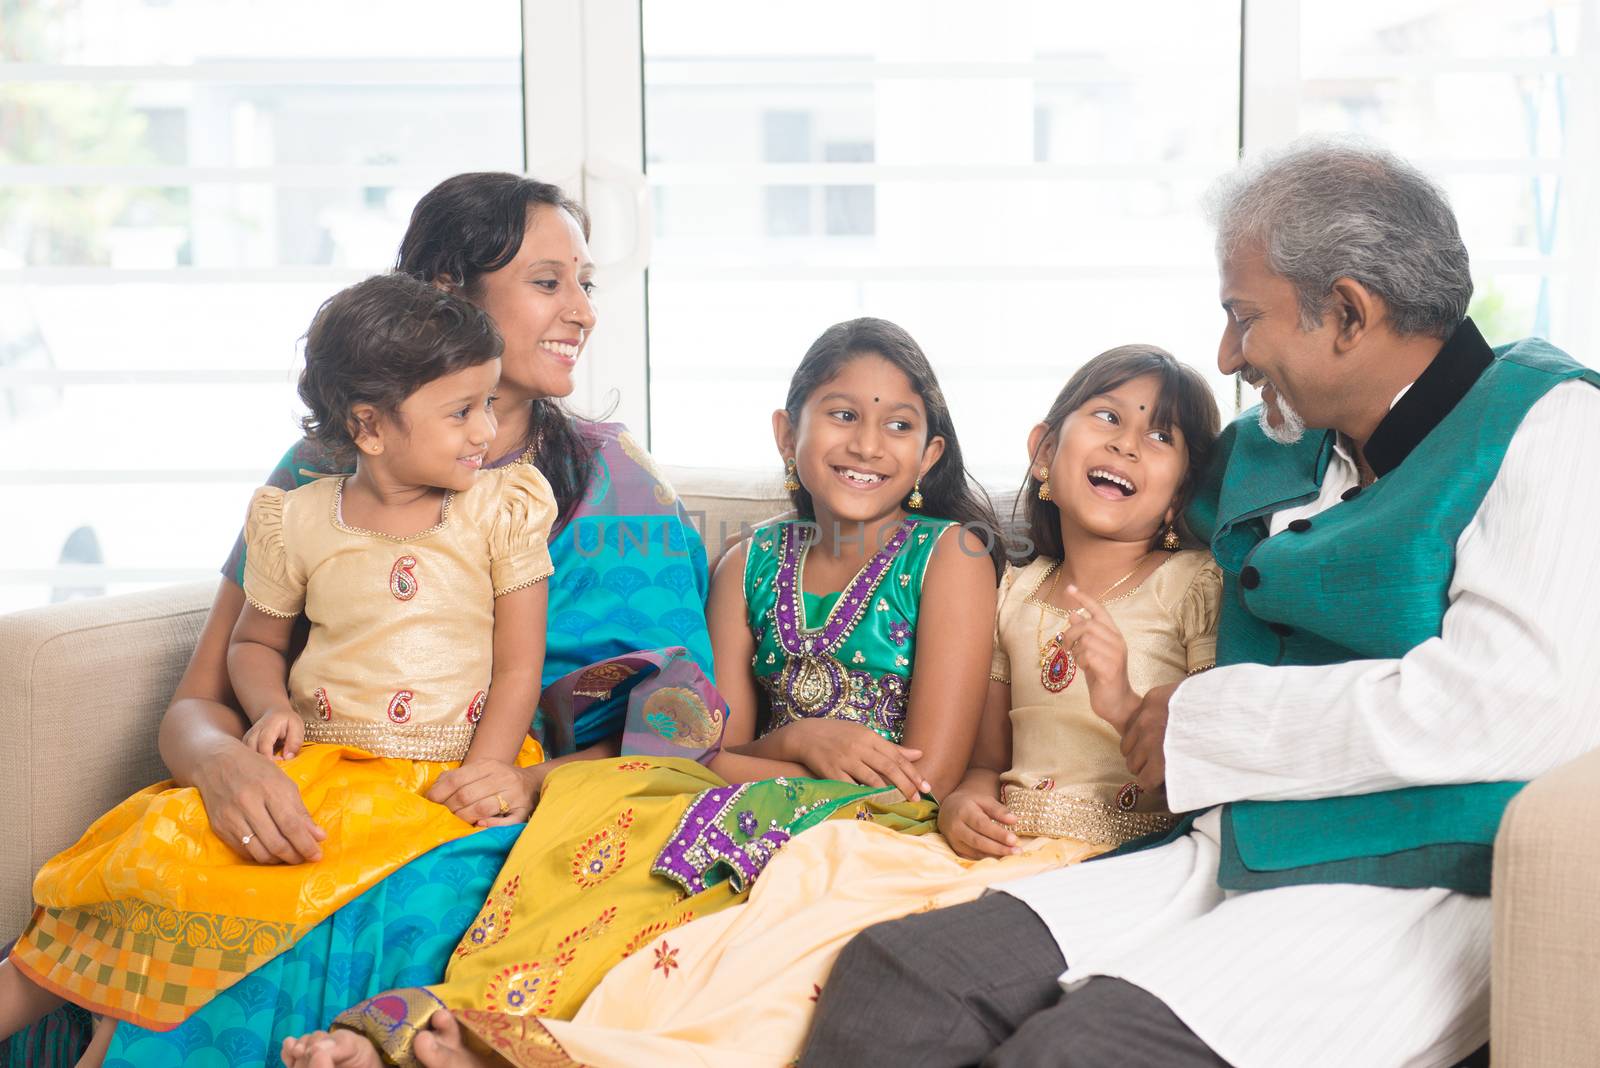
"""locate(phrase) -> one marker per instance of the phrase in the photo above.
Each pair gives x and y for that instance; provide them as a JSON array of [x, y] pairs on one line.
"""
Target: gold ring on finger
[[504, 808]]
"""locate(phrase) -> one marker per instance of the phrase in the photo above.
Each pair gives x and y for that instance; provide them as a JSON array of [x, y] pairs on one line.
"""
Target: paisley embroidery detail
[[400, 707], [1128, 796], [475, 706], [403, 579], [493, 923], [602, 855], [324, 706], [528, 988], [679, 715], [598, 681], [1045, 785]]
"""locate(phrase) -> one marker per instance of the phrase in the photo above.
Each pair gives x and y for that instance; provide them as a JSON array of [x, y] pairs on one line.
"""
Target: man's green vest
[[1366, 579]]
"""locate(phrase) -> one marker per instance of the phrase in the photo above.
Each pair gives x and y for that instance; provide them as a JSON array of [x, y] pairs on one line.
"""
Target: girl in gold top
[[422, 579], [1110, 605]]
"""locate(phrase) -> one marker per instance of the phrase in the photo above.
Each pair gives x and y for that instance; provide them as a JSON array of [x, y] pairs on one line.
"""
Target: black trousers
[[976, 984]]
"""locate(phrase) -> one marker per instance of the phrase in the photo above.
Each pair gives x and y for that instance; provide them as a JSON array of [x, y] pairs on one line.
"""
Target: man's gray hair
[[1324, 210]]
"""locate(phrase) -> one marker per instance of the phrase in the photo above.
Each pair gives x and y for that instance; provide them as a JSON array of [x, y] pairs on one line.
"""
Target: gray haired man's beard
[[1291, 427]]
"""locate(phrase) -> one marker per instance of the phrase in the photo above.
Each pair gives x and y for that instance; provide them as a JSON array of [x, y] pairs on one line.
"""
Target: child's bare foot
[[442, 1046], [330, 1049]]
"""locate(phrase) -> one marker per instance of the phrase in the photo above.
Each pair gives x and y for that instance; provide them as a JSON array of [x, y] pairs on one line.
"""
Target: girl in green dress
[[851, 649]]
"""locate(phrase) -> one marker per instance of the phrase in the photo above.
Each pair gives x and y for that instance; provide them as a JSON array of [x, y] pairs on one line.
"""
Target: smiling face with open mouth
[[1113, 472], [541, 301], [861, 441]]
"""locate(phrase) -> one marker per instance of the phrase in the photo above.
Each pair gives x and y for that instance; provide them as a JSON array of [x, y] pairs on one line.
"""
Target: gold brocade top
[[402, 629], [1068, 778]]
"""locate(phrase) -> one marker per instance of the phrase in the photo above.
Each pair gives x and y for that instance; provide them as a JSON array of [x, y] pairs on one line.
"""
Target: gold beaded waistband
[[1058, 815], [404, 741]]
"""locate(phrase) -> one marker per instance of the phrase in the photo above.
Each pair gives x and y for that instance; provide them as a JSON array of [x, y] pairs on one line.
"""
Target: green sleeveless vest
[[847, 655], [1366, 579]]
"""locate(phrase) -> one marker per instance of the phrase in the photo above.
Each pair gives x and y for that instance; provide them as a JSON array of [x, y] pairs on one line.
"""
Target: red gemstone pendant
[[1059, 668]]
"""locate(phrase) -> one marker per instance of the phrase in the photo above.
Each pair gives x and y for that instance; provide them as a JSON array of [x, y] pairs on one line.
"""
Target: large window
[[1017, 183], [182, 183], [1018, 189]]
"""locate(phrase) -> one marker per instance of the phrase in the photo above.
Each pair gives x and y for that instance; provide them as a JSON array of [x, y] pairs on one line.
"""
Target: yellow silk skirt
[[152, 914], [577, 895], [744, 982]]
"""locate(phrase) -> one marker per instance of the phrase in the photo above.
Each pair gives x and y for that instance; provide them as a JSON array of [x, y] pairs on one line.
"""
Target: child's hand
[[1098, 648], [280, 727], [849, 752], [977, 825]]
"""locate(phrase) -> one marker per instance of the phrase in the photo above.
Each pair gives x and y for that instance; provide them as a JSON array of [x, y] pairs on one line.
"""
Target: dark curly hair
[[1185, 401], [948, 492], [378, 342], [472, 225]]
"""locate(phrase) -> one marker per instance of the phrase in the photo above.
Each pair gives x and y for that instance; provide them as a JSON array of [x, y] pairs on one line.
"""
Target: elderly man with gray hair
[[1410, 604]]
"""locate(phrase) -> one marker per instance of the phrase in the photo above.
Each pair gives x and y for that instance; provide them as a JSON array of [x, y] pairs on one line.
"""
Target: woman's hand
[[849, 752], [977, 825], [247, 795], [489, 793], [1098, 647], [281, 727]]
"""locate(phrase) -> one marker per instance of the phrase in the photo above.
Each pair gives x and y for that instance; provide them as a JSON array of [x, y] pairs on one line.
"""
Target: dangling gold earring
[[1044, 486], [914, 502], [1170, 540], [791, 482]]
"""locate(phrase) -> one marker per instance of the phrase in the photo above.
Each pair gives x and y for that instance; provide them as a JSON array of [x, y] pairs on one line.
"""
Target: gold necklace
[[1057, 667]]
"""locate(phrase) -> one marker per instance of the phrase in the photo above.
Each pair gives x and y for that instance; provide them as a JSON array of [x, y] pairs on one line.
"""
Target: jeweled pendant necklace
[[1057, 667]]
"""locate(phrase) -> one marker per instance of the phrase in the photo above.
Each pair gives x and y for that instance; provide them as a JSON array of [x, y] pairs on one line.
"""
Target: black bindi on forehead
[[1141, 407], [874, 400]]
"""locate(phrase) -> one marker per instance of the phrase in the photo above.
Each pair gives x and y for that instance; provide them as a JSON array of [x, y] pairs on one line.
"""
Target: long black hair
[[948, 492], [1184, 401], [472, 225]]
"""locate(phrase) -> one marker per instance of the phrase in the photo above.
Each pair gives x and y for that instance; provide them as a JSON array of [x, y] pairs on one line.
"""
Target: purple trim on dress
[[788, 607], [699, 844], [813, 682]]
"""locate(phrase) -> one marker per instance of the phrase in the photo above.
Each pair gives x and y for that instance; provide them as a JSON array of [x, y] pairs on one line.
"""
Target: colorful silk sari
[[630, 574], [627, 851], [620, 852]]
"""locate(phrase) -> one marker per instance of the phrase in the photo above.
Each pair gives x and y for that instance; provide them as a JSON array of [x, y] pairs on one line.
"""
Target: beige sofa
[[83, 686]]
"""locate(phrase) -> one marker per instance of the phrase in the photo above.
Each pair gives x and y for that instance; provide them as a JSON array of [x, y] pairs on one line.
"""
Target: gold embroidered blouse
[[1068, 778], [400, 650]]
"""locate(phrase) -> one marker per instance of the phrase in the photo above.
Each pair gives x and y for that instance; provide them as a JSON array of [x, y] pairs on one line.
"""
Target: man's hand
[[1144, 736]]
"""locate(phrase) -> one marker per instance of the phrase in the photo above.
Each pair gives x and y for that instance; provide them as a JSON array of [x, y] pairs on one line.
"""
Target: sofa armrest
[[83, 686], [1544, 1011]]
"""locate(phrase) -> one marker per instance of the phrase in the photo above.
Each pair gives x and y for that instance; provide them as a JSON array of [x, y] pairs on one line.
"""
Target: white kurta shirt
[[1344, 974]]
